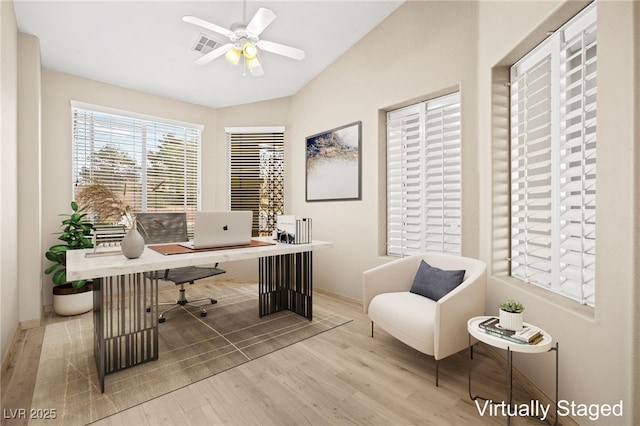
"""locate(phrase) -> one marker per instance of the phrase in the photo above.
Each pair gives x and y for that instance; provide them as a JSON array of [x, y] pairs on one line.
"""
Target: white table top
[[80, 266], [473, 326]]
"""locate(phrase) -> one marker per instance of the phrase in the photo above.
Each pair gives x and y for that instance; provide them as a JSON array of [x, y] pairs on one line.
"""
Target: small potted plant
[[511, 315], [70, 298]]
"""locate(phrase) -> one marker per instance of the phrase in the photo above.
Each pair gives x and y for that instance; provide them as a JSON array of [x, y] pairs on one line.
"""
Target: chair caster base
[[203, 314], [161, 319], [214, 301]]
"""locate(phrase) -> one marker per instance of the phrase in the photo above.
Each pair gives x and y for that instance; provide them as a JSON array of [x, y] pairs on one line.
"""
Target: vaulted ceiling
[[145, 45]]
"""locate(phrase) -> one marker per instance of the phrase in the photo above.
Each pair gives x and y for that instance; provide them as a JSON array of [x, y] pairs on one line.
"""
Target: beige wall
[[635, 375], [423, 49], [408, 57], [596, 345], [9, 286], [468, 44], [29, 179]]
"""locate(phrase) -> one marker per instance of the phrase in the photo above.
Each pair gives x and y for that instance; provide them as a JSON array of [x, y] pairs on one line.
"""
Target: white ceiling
[[145, 45]]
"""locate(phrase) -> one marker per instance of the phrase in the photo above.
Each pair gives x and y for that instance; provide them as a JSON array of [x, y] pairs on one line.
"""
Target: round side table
[[545, 345]]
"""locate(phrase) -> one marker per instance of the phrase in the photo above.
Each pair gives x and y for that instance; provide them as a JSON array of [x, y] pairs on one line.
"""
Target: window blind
[[423, 177], [553, 161], [151, 165], [256, 176]]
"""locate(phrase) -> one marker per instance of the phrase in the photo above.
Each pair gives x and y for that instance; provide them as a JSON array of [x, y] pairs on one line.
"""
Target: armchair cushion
[[435, 283], [414, 324]]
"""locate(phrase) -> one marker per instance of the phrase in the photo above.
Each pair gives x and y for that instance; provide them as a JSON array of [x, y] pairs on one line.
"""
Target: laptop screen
[[222, 228]]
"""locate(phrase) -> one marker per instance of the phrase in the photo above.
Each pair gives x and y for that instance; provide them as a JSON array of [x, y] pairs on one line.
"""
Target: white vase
[[132, 244], [510, 320]]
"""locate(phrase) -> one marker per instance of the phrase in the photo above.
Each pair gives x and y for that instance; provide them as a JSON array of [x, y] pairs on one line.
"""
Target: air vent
[[204, 44]]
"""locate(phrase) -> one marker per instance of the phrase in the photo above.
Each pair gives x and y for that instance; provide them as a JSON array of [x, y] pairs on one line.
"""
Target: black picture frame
[[333, 164]]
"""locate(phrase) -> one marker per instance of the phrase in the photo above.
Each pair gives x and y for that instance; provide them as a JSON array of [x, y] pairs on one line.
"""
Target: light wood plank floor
[[341, 377]]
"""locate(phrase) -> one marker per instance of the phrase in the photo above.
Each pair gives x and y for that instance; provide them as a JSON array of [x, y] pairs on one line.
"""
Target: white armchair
[[435, 328]]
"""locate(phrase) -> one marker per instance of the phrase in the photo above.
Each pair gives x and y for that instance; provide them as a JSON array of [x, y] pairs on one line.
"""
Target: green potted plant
[[511, 317], [70, 298]]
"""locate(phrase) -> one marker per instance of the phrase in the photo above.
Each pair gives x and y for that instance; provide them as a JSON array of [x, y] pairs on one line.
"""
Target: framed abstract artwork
[[333, 164]]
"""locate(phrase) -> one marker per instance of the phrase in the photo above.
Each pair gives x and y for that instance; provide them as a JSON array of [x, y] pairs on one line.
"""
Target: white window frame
[[424, 177], [553, 161], [95, 127]]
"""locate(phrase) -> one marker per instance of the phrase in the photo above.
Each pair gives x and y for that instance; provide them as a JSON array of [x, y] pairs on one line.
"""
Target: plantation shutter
[[151, 165], [423, 177], [256, 174], [577, 161], [442, 168], [531, 209], [553, 161], [403, 181]]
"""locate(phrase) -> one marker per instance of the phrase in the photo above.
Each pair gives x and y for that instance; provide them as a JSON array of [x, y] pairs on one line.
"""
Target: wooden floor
[[341, 377]]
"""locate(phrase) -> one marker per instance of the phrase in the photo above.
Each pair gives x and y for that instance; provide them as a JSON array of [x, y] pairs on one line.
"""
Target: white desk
[[546, 345], [79, 266], [127, 335]]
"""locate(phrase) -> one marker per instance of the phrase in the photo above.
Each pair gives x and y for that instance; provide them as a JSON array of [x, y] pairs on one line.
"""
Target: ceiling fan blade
[[281, 49], [215, 53], [208, 25], [260, 21]]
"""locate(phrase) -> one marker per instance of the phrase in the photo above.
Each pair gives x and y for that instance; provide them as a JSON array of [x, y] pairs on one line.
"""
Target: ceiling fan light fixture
[[244, 42], [255, 67], [253, 62], [233, 55], [249, 50]]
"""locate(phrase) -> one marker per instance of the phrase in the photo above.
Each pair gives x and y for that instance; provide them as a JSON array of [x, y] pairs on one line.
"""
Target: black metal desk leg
[[125, 335], [98, 330], [473, 398], [286, 283], [556, 348]]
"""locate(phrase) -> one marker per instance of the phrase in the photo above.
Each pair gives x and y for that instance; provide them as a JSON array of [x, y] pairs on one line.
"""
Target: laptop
[[221, 229]]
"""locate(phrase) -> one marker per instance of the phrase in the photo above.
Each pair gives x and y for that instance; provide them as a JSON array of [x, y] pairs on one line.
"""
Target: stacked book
[[293, 229], [529, 335]]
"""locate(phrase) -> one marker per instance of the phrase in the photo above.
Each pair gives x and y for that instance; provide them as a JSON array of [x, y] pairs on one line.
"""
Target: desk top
[[80, 266], [473, 326]]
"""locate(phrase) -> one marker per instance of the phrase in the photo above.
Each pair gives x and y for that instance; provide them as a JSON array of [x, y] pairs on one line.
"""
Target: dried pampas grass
[[104, 203]]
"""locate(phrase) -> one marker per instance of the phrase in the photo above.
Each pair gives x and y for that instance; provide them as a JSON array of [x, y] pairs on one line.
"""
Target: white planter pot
[[510, 320], [73, 303]]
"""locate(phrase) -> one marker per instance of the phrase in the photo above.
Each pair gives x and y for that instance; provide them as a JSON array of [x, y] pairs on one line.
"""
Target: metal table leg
[[125, 334], [510, 385], [510, 382], [285, 283]]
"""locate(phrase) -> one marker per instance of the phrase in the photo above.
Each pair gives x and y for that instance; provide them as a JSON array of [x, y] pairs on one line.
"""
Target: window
[[423, 177], [152, 165], [553, 161], [256, 174]]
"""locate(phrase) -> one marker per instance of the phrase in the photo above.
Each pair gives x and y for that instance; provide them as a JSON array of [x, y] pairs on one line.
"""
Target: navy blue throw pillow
[[435, 283]]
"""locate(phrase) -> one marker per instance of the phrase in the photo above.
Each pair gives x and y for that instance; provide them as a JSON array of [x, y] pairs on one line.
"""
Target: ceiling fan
[[244, 41]]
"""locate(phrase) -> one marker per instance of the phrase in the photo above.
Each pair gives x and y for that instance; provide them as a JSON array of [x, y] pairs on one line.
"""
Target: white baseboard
[[338, 296]]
